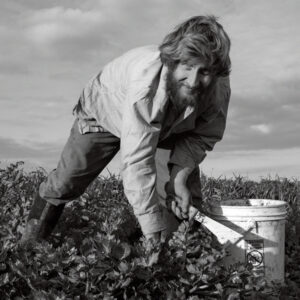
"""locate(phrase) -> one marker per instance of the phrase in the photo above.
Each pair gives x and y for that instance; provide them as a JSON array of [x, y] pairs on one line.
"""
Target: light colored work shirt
[[128, 98]]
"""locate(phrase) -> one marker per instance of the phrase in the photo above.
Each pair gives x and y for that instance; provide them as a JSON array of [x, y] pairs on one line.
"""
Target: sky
[[50, 49]]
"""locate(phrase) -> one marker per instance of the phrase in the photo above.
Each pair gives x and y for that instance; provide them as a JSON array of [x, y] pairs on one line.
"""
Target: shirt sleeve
[[139, 138], [190, 150]]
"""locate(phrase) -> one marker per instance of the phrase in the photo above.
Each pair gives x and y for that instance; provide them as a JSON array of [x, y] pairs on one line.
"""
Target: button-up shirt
[[128, 98]]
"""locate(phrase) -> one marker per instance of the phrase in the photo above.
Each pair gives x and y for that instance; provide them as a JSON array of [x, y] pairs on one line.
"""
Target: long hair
[[200, 36]]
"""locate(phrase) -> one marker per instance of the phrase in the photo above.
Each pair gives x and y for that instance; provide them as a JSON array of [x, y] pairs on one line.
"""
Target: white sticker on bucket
[[254, 254]]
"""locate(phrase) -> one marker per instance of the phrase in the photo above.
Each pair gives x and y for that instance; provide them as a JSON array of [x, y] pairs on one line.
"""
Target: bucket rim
[[279, 203]]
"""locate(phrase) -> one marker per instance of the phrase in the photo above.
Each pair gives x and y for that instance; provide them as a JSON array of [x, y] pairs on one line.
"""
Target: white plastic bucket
[[261, 222]]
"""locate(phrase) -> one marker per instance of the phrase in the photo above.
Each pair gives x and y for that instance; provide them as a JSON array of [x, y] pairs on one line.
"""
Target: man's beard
[[181, 103]]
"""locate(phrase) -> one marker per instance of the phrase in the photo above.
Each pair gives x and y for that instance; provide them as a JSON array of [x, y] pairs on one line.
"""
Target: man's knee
[[58, 190]]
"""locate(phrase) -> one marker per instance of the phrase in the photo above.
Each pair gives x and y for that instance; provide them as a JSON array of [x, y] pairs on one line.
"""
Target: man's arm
[[139, 138], [177, 191], [190, 151]]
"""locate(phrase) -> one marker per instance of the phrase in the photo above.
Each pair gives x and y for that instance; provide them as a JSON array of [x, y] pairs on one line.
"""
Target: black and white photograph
[[149, 149]]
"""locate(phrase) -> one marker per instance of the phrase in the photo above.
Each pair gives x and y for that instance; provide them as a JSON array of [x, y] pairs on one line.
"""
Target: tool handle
[[194, 213]]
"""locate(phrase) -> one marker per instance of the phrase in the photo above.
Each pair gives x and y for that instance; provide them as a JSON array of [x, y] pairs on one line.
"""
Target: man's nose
[[194, 79]]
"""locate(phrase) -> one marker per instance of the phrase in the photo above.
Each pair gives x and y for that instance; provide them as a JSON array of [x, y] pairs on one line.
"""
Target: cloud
[[40, 154], [36, 110], [12, 50], [13, 68], [253, 163], [264, 45], [33, 34], [90, 30], [66, 33], [43, 154], [40, 119], [48, 51], [264, 121], [262, 128], [50, 25]]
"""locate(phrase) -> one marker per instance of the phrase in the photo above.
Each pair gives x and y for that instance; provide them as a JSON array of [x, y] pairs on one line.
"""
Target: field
[[97, 250]]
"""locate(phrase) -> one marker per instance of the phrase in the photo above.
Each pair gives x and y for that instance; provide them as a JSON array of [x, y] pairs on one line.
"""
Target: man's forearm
[[178, 191], [179, 175]]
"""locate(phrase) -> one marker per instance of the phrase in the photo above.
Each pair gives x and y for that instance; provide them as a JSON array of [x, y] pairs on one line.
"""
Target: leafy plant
[[97, 250]]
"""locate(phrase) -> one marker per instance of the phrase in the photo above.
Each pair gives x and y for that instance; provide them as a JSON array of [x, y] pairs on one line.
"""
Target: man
[[174, 97]]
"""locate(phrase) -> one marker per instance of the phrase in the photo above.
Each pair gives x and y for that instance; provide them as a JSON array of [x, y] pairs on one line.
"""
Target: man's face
[[187, 81]]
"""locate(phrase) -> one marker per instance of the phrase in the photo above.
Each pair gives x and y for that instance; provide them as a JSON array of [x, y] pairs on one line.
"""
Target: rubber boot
[[41, 221]]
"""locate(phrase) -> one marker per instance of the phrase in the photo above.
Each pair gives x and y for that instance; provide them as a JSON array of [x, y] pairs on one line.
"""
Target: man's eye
[[186, 64], [188, 67], [205, 72]]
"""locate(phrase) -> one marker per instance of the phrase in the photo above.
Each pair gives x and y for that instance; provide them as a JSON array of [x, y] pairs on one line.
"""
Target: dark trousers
[[83, 158], [86, 155]]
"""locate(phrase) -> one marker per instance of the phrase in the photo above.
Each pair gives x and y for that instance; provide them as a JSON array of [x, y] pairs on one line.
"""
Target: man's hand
[[178, 193], [172, 224]]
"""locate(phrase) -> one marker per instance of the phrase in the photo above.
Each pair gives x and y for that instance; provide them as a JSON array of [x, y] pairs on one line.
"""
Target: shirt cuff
[[183, 159], [152, 222]]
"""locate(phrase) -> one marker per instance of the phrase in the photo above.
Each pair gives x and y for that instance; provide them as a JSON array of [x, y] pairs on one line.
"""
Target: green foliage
[[97, 250]]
